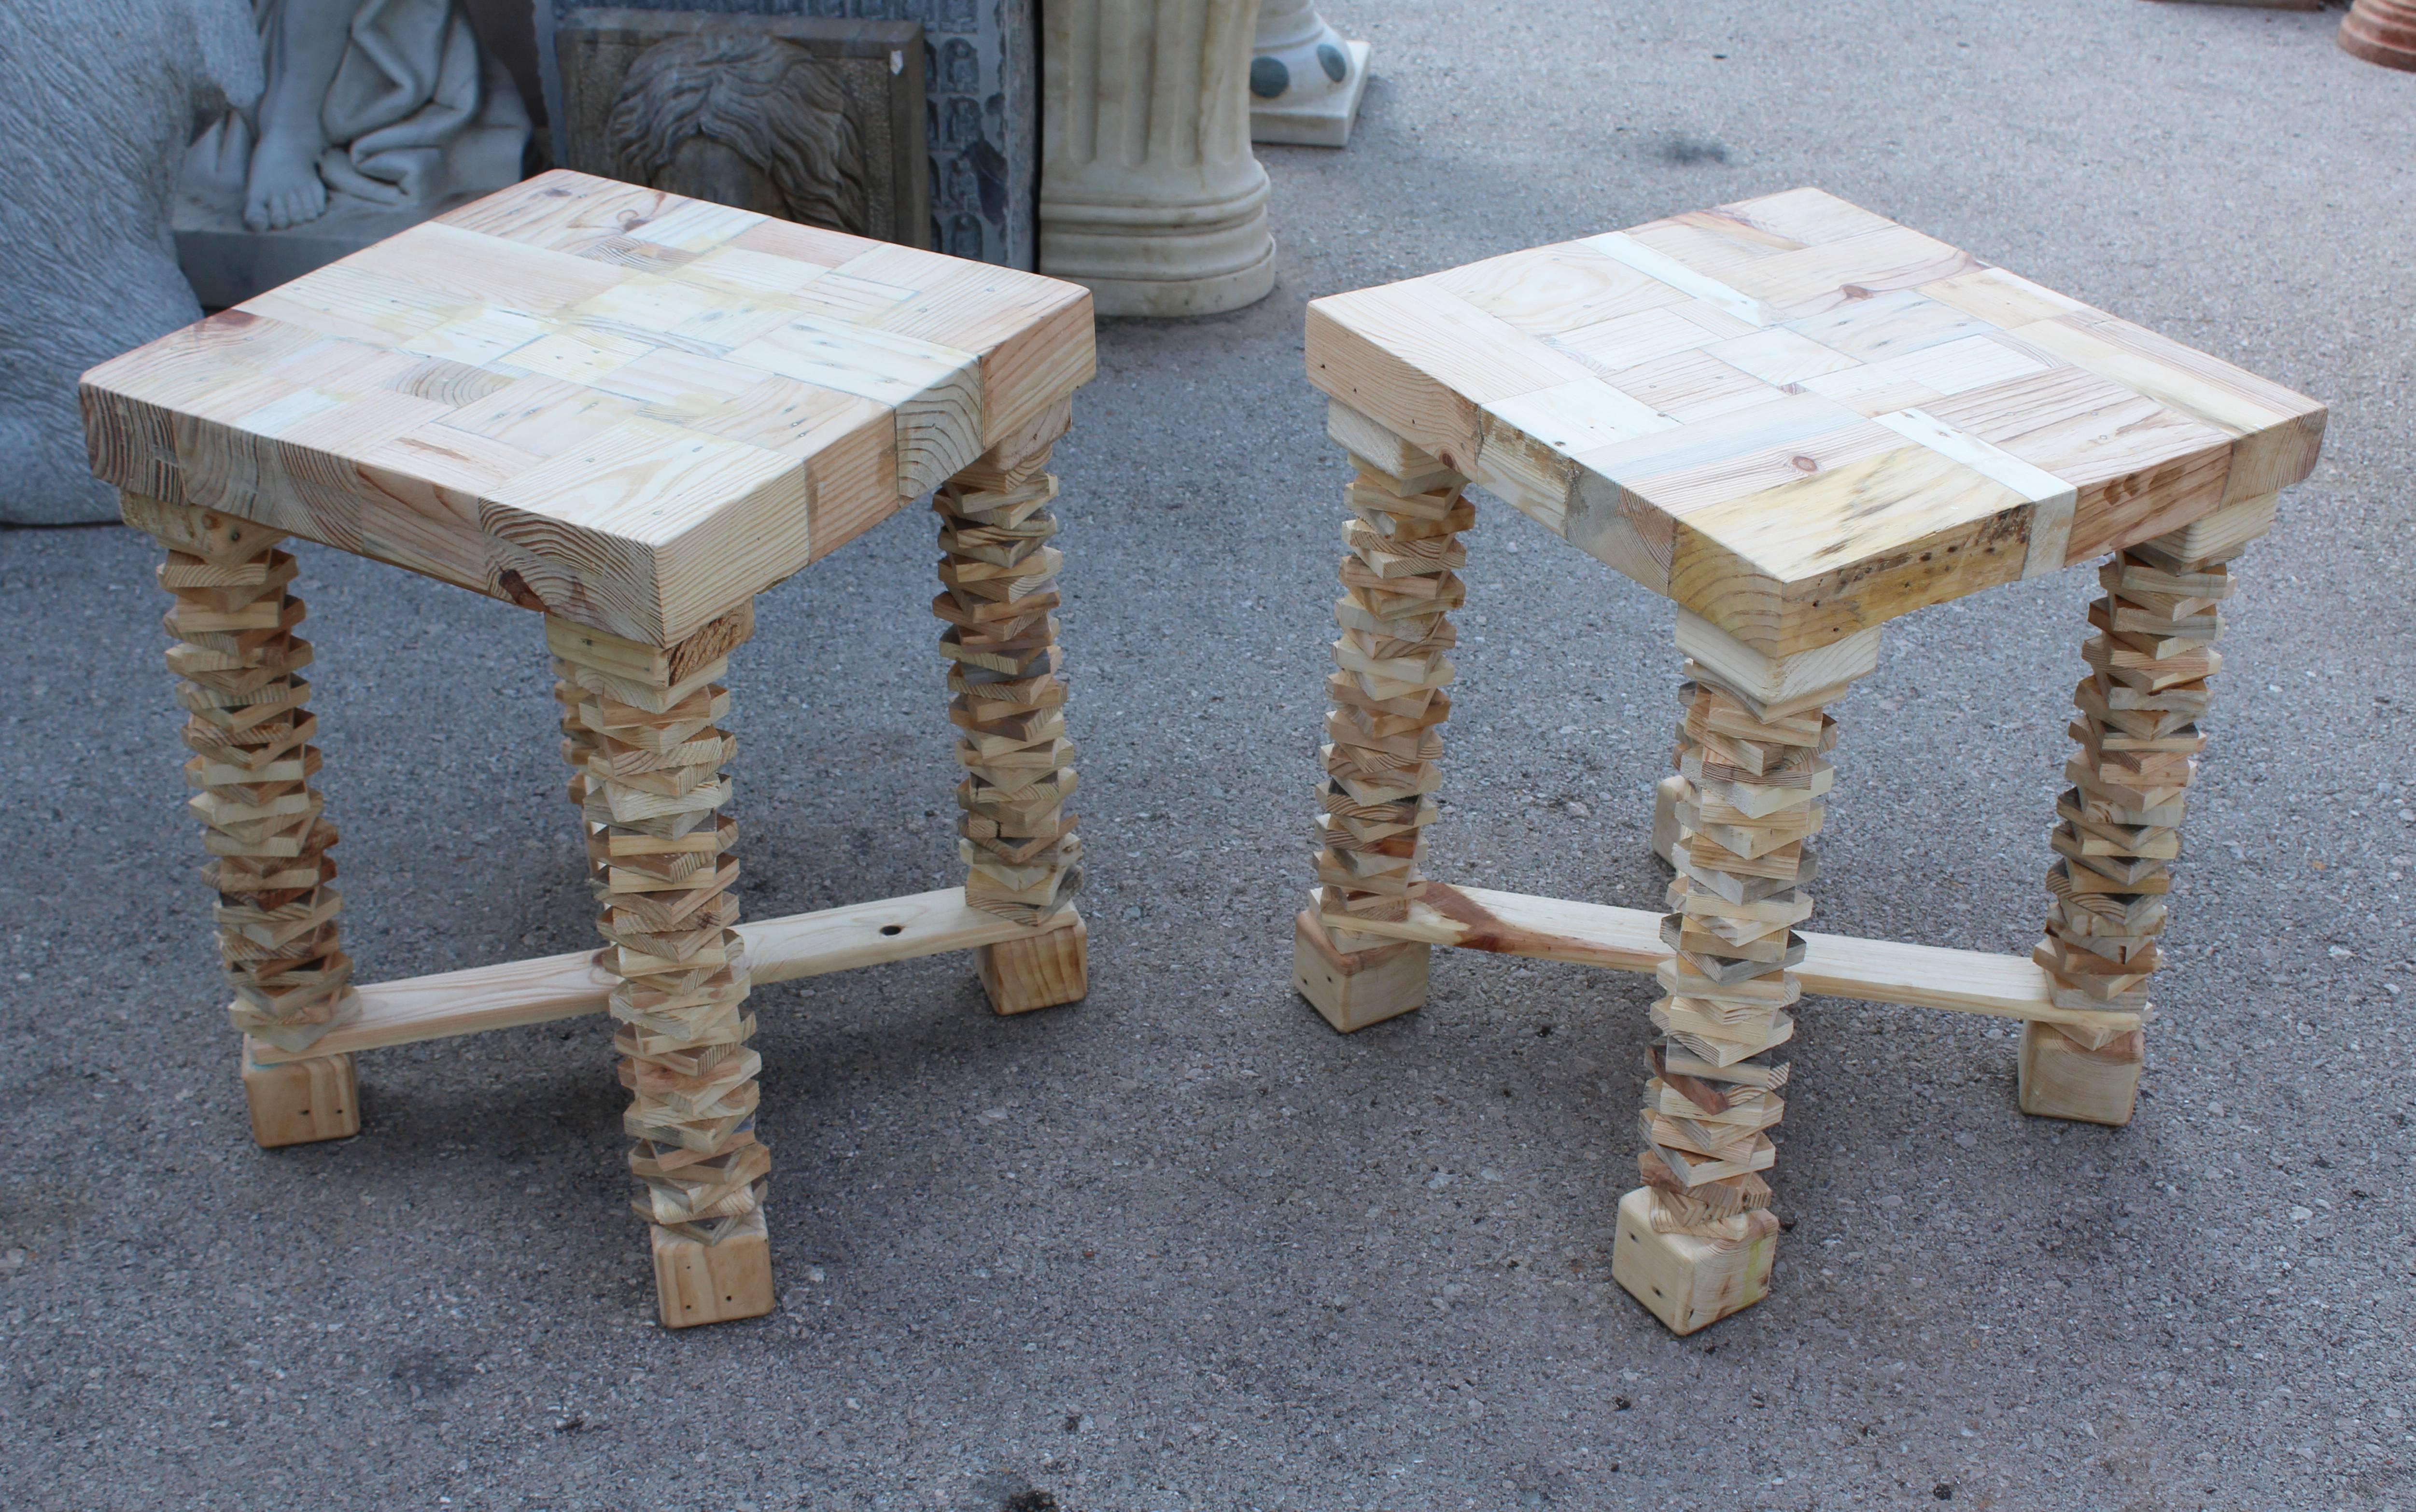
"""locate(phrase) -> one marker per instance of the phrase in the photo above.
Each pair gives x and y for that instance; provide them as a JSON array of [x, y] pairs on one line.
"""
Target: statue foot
[[284, 188]]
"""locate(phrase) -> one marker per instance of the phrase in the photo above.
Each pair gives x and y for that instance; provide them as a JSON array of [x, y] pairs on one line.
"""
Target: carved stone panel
[[815, 121]]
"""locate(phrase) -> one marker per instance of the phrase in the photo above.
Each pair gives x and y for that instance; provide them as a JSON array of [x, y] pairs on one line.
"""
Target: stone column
[[1149, 195], [1304, 80]]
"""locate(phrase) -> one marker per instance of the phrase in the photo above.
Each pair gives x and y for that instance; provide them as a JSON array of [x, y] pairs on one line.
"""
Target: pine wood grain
[[1638, 392], [1834, 965], [545, 987], [619, 406]]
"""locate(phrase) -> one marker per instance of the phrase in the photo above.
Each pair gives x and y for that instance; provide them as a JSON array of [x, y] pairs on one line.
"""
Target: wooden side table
[[630, 413], [1796, 419]]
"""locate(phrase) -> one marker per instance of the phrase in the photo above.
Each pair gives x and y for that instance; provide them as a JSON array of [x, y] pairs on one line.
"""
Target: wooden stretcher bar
[[1834, 965], [546, 988]]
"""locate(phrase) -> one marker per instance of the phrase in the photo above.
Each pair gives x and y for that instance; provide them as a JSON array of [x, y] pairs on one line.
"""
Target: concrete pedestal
[[1149, 195], [1304, 80]]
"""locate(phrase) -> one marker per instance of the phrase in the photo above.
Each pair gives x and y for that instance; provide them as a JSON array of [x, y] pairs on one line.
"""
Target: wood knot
[[516, 588], [1804, 464]]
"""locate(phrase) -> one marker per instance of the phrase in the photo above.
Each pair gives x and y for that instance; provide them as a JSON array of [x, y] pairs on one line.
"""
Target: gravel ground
[[1182, 1248]]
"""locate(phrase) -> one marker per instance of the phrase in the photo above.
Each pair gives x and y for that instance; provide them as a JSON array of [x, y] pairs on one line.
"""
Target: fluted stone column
[[1304, 80], [1149, 195]]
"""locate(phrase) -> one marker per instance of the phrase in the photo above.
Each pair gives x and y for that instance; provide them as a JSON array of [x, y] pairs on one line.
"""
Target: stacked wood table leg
[[2120, 831], [1696, 1242], [251, 734], [764, 392], [1022, 858], [1797, 420], [660, 864], [1383, 733]]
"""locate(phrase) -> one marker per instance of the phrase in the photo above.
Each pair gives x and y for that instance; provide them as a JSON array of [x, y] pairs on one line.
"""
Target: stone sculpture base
[[228, 262], [1179, 295], [1314, 118], [1304, 80]]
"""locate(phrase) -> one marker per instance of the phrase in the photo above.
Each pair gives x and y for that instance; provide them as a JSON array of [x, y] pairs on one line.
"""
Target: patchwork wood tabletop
[[623, 407], [1798, 418]]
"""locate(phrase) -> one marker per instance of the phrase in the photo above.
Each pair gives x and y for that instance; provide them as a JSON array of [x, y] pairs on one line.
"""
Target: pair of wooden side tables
[[633, 413]]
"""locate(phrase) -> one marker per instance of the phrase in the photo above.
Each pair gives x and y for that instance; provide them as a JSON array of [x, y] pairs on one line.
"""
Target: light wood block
[[2064, 1077], [1355, 989], [1038, 972], [1797, 419], [1665, 795], [248, 726], [1836, 965], [300, 1101], [701, 1284], [1384, 729], [1685, 1281], [1018, 843], [621, 407], [640, 735], [1696, 1243], [1774, 687], [2150, 666], [546, 988]]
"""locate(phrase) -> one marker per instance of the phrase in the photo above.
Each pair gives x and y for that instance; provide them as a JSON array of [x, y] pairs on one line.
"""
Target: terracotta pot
[[2381, 31]]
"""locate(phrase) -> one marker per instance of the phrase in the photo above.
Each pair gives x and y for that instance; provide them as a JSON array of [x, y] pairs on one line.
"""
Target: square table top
[[1798, 418], [624, 407]]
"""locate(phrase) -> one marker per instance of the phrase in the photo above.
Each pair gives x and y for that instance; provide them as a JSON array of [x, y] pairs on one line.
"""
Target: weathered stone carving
[[975, 101], [741, 119], [1304, 80], [811, 120], [106, 91]]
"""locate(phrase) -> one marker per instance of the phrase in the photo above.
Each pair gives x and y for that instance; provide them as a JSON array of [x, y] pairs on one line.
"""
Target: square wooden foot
[[301, 1102], [1667, 795], [1038, 972], [1685, 1281], [2064, 1078], [1356, 988], [701, 1283]]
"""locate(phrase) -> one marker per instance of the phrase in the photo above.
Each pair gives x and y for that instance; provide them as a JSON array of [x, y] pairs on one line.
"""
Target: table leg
[[1022, 858], [2139, 732], [1383, 733], [238, 659], [1696, 1242], [647, 719]]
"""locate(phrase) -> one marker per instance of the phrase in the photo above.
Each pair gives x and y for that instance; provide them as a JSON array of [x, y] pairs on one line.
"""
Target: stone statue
[[744, 119], [97, 98], [377, 115]]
